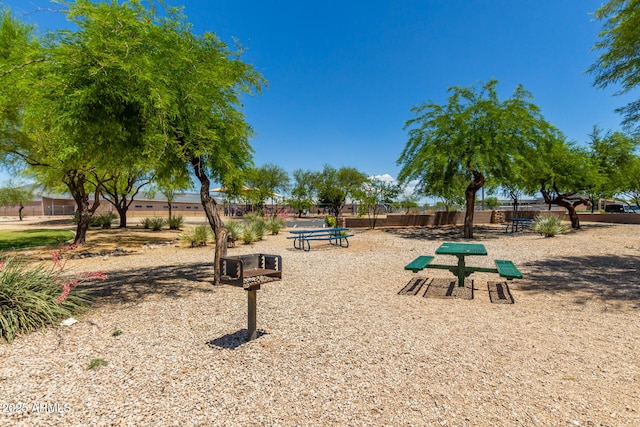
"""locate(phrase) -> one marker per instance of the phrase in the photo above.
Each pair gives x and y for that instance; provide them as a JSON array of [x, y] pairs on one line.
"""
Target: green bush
[[28, 299], [103, 220], [235, 229], [198, 236], [274, 225], [257, 225], [249, 234], [156, 223], [146, 223], [252, 216], [176, 222], [330, 221], [550, 226]]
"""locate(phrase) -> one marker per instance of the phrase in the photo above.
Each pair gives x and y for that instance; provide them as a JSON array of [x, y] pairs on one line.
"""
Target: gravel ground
[[339, 346]]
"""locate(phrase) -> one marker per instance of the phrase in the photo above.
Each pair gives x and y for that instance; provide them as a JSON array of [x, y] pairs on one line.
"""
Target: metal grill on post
[[250, 272]]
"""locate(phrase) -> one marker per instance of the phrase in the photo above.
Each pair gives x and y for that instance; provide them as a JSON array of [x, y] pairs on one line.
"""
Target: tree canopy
[[129, 83], [619, 44], [473, 138], [333, 186]]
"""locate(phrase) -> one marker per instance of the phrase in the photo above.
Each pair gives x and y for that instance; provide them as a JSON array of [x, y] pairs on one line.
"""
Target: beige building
[[185, 205]]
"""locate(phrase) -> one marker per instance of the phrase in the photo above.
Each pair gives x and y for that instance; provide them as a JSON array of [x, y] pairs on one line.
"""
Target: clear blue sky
[[343, 75]]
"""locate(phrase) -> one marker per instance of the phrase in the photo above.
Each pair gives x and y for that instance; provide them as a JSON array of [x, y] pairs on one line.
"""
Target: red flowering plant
[[66, 285], [35, 296]]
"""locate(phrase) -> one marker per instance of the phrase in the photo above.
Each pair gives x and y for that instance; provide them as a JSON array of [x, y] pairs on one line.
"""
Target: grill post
[[251, 314]]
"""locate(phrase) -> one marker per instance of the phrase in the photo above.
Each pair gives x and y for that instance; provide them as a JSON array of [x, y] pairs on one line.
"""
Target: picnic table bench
[[335, 236], [249, 272], [504, 268], [517, 224]]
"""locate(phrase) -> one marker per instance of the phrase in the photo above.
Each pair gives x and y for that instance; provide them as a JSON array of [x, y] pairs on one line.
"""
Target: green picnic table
[[505, 268]]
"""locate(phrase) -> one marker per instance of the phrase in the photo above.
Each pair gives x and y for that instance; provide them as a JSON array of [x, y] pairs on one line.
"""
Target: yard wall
[[482, 217]]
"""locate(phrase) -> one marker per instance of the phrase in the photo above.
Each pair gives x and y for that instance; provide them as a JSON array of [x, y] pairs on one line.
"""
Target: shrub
[[330, 221], [274, 225], [176, 222], [252, 216], [146, 223], [249, 235], [156, 223], [235, 229], [198, 236], [257, 224], [550, 226], [103, 220], [30, 298]]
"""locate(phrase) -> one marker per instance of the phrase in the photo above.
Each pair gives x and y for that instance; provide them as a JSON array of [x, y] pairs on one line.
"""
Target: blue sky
[[343, 75]]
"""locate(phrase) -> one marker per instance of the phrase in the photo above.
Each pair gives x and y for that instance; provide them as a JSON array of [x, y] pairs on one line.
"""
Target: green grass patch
[[97, 363], [19, 239]]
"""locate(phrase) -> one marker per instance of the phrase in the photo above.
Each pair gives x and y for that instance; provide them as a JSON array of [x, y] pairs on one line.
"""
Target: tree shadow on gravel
[[609, 278], [450, 233], [134, 285], [455, 233], [234, 340]]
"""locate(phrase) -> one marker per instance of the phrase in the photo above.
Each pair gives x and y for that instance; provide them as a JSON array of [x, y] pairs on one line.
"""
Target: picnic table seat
[[507, 269]]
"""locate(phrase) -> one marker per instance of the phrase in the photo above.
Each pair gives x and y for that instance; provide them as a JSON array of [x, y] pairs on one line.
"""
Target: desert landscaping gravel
[[338, 346]]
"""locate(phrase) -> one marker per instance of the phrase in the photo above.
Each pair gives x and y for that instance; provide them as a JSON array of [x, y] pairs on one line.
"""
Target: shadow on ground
[[454, 233], [611, 278], [125, 286], [450, 233], [234, 340]]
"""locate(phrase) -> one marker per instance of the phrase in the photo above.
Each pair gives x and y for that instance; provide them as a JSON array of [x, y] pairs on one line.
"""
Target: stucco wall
[[482, 217]]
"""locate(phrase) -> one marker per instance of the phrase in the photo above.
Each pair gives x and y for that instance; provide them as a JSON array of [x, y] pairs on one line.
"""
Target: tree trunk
[[210, 208], [470, 196], [122, 213], [84, 221], [562, 200], [75, 182], [20, 212]]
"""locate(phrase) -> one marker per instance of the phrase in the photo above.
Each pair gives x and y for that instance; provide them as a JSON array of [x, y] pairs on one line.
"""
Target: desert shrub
[[257, 224], [252, 216], [550, 226], [274, 225], [146, 223], [176, 222], [156, 223], [103, 220], [235, 229], [330, 221], [33, 297], [249, 234], [198, 236]]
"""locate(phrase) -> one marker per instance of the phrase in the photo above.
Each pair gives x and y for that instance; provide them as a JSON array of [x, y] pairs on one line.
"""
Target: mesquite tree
[[131, 85], [619, 47], [472, 138]]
